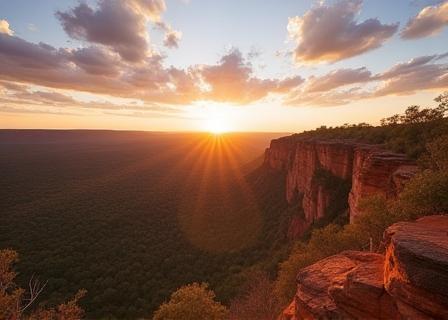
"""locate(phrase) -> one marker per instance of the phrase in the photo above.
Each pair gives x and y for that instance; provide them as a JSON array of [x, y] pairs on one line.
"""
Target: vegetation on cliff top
[[408, 133]]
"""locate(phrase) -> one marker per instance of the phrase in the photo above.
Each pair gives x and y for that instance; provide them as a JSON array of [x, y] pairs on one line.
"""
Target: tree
[[257, 300], [438, 153], [15, 302], [192, 302]]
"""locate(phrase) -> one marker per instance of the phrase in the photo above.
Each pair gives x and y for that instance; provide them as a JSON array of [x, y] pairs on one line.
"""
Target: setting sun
[[217, 120]]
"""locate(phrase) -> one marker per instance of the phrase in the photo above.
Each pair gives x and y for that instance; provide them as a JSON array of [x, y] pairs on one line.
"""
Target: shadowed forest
[[131, 216]]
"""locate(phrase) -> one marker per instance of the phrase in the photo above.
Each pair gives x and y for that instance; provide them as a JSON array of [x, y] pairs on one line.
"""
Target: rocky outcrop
[[377, 171], [289, 313], [416, 269], [348, 285], [409, 282], [368, 169]]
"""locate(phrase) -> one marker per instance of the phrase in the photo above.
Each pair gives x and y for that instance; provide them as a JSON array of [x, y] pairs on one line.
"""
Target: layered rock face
[[369, 169], [416, 268], [409, 282], [348, 285], [380, 172]]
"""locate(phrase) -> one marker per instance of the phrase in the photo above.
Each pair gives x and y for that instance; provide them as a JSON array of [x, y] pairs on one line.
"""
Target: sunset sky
[[217, 65]]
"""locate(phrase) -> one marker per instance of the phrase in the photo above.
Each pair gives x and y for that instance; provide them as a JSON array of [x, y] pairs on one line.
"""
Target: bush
[[426, 193], [192, 302], [323, 243], [257, 301]]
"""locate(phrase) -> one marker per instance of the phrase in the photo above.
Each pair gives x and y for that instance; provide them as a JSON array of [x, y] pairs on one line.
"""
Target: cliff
[[409, 282], [350, 171]]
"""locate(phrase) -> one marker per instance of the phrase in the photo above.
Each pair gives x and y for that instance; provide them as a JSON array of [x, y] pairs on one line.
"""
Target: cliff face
[[409, 282], [416, 267], [377, 171], [368, 169]]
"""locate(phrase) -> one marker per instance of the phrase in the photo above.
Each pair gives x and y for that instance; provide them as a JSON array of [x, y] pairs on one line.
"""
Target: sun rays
[[218, 211]]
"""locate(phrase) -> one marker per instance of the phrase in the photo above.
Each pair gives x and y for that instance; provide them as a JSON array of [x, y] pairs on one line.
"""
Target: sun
[[217, 121], [216, 126]]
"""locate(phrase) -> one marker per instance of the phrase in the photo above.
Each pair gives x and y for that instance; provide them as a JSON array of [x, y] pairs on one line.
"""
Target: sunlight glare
[[217, 120]]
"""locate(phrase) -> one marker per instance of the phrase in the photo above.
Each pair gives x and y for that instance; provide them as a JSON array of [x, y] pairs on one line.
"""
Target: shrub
[[192, 302], [257, 301], [426, 193]]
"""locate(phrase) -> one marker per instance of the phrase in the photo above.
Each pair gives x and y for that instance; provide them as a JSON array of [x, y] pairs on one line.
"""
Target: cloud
[[232, 80], [80, 69], [420, 73], [4, 27], [96, 60], [32, 27], [172, 37], [330, 98], [100, 70], [19, 98], [152, 9], [338, 87], [338, 78], [330, 33], [120, 25], [428, 22]]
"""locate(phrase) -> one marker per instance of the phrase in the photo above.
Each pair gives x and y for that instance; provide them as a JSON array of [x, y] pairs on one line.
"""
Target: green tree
[[192, 302], [438, 153]]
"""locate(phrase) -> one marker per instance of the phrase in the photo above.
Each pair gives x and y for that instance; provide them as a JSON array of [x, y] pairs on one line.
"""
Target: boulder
[[416, 267], [348, 285]]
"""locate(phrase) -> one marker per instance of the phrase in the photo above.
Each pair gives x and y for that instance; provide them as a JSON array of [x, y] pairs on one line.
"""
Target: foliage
[[407, 133], [192, 302], [256, 300], [425, 194], [437, 157], [15, 303], [323, 243]]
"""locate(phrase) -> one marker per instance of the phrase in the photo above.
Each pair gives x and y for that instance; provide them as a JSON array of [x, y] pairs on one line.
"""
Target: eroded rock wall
[[369, 169]]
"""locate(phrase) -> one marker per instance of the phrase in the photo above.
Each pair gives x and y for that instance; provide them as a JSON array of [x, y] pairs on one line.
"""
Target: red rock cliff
[[409, 282], [369, 169], [376, 171]]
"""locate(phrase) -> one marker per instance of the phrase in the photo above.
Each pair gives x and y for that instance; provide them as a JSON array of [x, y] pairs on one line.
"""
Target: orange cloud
[[14, 97], [101, 71], [232, 80], [331, 33], [4, 27], [338, 78], [417, 74], [429, 21], [337, 87], [114, 24]]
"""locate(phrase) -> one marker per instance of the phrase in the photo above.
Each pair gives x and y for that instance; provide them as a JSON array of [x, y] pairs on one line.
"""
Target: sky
[[218, 65]]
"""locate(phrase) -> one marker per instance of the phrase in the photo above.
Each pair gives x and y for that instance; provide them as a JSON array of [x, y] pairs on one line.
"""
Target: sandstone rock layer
[[348, 285], [368, 169], [409, 282], [416, 269]]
